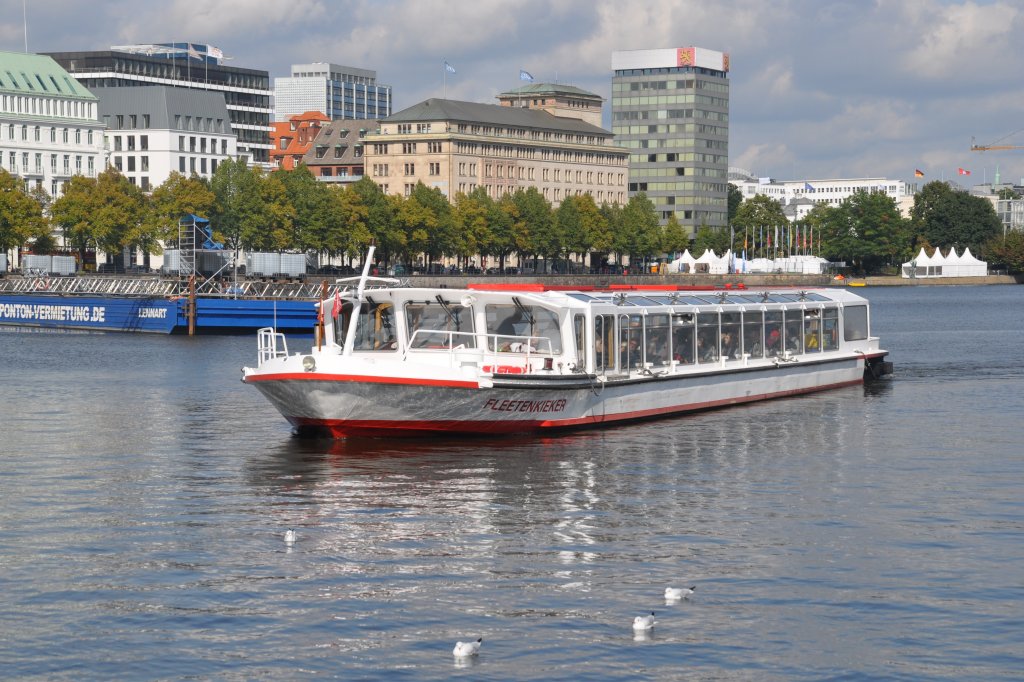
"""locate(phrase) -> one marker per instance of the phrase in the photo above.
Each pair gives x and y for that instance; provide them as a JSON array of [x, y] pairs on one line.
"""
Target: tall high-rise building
[[197, 66], [339, 92], [670, 108]]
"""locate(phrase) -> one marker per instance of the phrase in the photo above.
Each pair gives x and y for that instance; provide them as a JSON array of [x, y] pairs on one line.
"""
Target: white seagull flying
[[464, 649]]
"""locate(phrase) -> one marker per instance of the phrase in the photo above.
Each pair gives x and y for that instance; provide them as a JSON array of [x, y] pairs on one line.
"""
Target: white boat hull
[[349, 405]]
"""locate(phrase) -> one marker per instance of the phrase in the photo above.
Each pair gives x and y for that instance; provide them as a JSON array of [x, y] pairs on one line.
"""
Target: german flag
[[918, 173]]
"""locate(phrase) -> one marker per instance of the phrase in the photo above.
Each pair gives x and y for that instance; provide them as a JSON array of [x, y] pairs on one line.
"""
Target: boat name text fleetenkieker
[[53, 313], [525, 405]]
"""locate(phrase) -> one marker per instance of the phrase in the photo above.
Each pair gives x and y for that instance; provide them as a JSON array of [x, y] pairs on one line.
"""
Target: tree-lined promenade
[[292, 211]]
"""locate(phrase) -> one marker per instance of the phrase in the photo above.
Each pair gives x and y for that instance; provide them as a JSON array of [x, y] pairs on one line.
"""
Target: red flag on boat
[[337, 304]]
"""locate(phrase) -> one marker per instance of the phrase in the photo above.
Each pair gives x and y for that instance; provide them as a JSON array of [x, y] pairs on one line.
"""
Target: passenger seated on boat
[[772, 343], [706, 352], [729, 346]]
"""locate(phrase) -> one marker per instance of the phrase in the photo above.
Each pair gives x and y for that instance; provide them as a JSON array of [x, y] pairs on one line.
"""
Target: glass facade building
[[339, 92], [670, 108]]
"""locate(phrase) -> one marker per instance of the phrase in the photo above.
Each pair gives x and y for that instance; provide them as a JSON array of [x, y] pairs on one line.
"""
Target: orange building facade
[[291, 139]]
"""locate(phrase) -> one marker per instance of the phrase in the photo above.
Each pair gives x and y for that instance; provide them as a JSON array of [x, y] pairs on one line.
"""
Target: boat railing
[[270, 345]]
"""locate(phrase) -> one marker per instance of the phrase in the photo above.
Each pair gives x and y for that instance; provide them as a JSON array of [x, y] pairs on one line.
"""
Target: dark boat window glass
[[753, 333], [830, 329], [812, 330], [657, 345], [582, 297], [707, 337], [579, 325], [855, 322], [604, 342], [522, 328], [433, 325], [793, 336], [631, 339], [730, 337], [375, 329], [683, 338], [696, 300], [772, 333]]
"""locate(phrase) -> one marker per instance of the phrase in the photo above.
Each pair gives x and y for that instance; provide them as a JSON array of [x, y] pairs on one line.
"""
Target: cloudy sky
[[819, 88]]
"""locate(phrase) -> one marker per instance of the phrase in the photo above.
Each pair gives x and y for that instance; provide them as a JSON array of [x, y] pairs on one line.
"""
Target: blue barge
[[154, 306]]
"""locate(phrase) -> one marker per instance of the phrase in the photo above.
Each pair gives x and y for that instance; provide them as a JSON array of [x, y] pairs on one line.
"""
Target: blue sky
[[819, 89]]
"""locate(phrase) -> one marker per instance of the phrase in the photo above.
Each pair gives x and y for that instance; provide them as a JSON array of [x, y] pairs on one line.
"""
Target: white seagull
[[644, 622], [290, 536], [677, 593], [464, 649]]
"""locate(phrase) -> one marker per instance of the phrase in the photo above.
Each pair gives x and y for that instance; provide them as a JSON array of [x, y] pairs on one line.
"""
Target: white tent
[[949, 265], [682, 264], [714, 265]]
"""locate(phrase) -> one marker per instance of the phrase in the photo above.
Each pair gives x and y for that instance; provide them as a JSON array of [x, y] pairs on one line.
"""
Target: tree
[[381, 220], [714, 238], [640, 222], [238, 206], [534, 227], [865, 229], [948, 217], [1008, 250], [106, 212], [21, 217], [176, 197], [472, 214], [735, 198], [674, 238]]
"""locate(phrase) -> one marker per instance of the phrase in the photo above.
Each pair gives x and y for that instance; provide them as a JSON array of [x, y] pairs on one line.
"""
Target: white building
[[802, 195], [338, 92], [155, 130], [49, 125]]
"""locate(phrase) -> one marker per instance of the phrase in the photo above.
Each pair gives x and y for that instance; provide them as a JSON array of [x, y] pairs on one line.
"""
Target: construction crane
[[995, 147]]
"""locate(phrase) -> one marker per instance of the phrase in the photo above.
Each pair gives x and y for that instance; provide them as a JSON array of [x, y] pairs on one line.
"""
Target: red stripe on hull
[[380, 428], [360, 379]]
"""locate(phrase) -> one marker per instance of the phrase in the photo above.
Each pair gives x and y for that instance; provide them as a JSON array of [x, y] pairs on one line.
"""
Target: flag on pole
[[918, 173], [808, 187], [449, 68], [336, 310], [963, 171], [525, 76]]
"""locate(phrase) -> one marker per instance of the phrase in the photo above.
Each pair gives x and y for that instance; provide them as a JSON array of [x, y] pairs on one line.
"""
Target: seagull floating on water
[[677, 593], [464, 649], [290, 536], [644, 622]]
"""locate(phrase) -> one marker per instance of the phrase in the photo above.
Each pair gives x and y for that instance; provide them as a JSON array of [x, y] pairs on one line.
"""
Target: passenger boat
[[389, 360]]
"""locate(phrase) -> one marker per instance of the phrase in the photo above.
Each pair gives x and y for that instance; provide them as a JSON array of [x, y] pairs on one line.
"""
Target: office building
[[339, 92], [799, 197], [460, 146], [155, 130], [49, 123], [246, 92], [670, 108]]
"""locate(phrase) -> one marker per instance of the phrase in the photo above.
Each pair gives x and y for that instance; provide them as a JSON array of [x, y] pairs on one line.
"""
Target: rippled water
[[873, 532]]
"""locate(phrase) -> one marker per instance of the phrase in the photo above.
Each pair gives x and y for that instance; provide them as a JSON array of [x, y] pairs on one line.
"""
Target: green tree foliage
[[714, 238], [473, 213], [640, 223], [1007, 251], [312, 208], [866, 229], [756, 213], [735, 198], [948, 217], [21, 216], [106, 212], [177, 197], [380, 221], [238, 207], [533, 229], [674, 239]]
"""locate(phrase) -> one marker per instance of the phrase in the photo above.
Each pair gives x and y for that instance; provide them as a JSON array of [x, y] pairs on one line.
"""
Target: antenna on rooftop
[[24, 17]]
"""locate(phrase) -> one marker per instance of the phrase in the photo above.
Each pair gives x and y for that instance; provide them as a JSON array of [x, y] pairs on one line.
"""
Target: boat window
[[707, 337], [522, 328], [753, 333], [855, 323], [439, 325], [579, 325], [830, 329], [793, 338], [581, 297], [730, 338], [657, 349], [631, 338], [375, 327], [772, 333], [604, 339], [683, 338], [812, 330]]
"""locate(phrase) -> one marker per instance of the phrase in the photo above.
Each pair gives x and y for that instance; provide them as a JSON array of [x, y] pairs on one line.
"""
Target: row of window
[[27, 133], [47, 106], [60, 164], [676, 143], [661, 114], [682, 84], [674, 157], [680, 186], [678, 171], [664, 100], [493, 131], [687, 128]]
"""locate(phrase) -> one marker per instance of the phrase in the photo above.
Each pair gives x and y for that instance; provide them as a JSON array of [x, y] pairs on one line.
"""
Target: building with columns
[[49, 123]]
